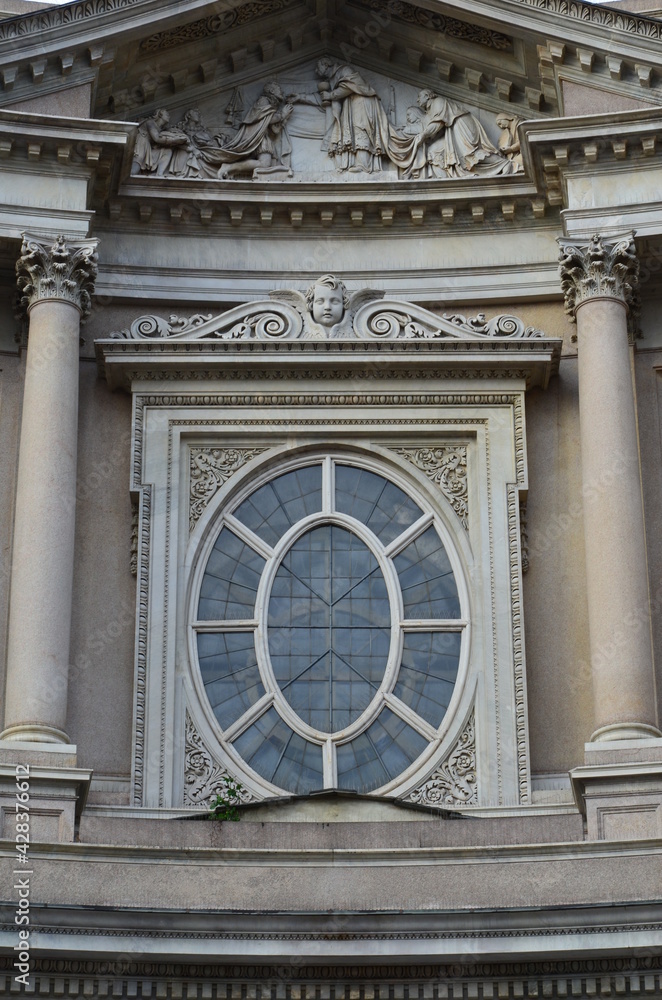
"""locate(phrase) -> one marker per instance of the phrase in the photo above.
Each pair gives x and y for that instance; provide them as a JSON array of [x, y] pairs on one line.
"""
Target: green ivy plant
[[226, 804]]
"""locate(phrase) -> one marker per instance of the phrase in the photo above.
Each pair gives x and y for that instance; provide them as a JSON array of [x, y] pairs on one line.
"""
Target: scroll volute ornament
[[601, 268], [64, 270]]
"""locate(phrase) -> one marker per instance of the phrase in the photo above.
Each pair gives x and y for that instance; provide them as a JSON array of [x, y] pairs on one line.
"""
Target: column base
[[34, 732], [619, 789], [56, 791], [625, 731]]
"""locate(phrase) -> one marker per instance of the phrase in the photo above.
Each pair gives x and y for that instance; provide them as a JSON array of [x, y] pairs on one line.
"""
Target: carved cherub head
[[327, 300]]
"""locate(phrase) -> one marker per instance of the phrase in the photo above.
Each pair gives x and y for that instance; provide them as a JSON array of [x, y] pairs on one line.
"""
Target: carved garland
[[455, 782], [209, 469], [203, 776], [447, 468]]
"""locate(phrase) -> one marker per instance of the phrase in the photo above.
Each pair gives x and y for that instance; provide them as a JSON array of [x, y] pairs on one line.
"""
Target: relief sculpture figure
[[451, 143], [509, 140], [358, 131], [261, 144], [157, 145]]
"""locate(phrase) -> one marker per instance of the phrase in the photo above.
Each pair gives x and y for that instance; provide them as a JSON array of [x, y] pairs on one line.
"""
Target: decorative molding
[[615, 20], [209, 469], [208, 27], [409, 13], [524, 535], [204, 776], [289, 314], [447, 468], [144, 534], [135, 520], [602, 267], [455, 781], [62, 270], [521, 729]]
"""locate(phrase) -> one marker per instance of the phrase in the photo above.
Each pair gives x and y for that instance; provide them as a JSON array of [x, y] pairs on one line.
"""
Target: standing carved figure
[[358, 131], [509, 141]]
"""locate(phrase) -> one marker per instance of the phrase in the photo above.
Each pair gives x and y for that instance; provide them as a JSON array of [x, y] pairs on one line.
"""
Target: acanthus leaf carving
[[210, 468], [328, 311], [455, 781], [447, 468], [204, 777], [63, 270], [601, 267]]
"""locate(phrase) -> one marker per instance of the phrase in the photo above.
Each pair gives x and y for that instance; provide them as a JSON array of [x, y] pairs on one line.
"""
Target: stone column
[[55, 283], [599, 280]]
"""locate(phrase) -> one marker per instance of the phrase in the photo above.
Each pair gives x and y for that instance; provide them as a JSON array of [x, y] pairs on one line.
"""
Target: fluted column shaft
[[56, 283], [599, 280]]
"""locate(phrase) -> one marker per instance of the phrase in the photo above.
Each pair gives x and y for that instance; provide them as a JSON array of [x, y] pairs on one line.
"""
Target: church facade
[[331, 601]]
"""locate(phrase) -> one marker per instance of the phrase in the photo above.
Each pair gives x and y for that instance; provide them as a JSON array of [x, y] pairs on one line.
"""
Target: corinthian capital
[[63, 270], [600, 268]]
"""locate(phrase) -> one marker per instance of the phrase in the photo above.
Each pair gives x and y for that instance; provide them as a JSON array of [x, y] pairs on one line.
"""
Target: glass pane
[[279, 504], [426, 578], [329, 627], [231, 579], [280, 755], [371, 499], [428, 673], [383, 751], [229, 673]]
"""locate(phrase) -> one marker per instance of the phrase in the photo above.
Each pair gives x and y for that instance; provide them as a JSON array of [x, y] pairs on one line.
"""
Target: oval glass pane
[[329, 627]]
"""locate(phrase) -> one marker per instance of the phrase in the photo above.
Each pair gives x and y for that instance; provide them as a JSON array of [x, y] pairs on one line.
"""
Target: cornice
[[554, 148]]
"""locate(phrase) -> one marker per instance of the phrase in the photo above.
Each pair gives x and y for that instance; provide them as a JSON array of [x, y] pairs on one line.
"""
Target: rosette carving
[[600, 268], [204, 777], [447, 469], [62, 270], [454, 783]]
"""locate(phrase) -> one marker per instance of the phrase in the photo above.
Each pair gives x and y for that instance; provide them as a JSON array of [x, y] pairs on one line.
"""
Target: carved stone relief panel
[[209, 469], [332, 120], [454, 783], [447, 468], [204, 777]]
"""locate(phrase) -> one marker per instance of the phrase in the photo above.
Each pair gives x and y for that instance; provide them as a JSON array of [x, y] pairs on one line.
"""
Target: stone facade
[[330, 351]]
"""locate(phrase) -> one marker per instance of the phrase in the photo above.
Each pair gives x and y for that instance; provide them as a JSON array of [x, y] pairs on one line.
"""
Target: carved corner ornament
[[455, 781], [209, 469], [601, 268], [447, 469], [204, 777], [62, 270]]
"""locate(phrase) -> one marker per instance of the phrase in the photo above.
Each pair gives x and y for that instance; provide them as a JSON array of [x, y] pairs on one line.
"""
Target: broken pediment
[[327, 120]]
